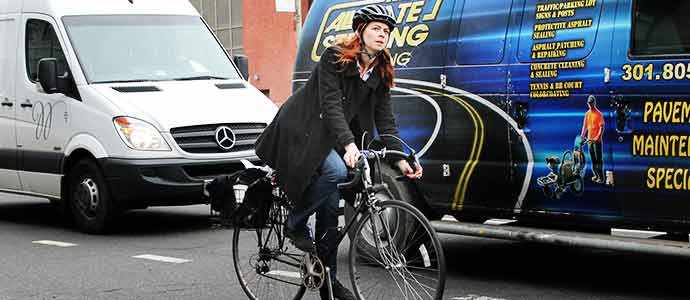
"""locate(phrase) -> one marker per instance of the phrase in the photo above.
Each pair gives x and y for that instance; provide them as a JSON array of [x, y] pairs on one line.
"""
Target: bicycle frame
[[367, 205]]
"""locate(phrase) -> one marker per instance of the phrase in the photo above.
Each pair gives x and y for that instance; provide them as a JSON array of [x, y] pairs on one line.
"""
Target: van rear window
[[661, 28]]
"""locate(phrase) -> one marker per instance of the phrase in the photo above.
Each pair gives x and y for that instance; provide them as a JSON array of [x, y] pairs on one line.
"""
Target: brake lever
[[356, 174]]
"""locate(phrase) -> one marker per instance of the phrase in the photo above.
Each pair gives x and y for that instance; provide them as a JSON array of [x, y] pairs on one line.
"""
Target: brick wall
[[270, 44]]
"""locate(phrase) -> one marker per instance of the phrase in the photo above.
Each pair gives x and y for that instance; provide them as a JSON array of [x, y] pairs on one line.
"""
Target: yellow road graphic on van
[[477, 145]]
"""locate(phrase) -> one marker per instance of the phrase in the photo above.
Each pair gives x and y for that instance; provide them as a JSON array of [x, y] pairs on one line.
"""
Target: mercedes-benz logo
[[225, 138]]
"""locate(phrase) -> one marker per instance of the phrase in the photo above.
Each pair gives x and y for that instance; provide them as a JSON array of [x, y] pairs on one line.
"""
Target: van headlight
[[140, 135]]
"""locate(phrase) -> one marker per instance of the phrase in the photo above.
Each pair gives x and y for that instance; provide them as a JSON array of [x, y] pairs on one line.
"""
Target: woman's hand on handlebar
[[407, 170], [352, 154]]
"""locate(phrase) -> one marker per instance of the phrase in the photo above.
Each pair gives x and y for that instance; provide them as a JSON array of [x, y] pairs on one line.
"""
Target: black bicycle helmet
[[371, 13]]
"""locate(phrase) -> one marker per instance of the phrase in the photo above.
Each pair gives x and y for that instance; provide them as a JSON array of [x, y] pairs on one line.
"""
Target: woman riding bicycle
[[312, 138]]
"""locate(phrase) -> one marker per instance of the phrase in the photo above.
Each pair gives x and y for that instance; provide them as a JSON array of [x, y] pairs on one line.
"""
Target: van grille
[[202, 138]]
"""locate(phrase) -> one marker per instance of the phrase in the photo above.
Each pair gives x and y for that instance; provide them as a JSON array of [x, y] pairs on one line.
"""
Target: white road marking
[[487, 222], [476, 297], [644, 234], [449, 218], [162, 258], [54, 243], [498, 221], [284, 274]]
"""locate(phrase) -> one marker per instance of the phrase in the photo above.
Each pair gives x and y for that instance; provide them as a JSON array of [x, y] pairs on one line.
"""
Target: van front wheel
[[89, 197]]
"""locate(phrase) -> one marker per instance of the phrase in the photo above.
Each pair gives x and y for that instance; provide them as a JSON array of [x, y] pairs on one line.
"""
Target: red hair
[[349, 49]]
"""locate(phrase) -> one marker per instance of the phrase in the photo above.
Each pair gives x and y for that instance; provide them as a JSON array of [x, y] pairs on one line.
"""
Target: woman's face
[[375, 36]]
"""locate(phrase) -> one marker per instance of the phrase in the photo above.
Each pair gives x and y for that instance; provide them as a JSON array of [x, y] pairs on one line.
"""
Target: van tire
[[400, 192], [89, 198]]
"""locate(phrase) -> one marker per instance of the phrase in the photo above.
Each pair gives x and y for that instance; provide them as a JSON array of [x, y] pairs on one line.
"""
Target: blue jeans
[[323, 198]]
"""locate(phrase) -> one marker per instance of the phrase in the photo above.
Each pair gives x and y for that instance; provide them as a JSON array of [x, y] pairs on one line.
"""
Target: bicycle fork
[[386, 256]]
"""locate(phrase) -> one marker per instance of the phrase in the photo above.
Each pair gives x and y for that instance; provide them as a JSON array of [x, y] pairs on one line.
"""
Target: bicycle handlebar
[[371, 154]]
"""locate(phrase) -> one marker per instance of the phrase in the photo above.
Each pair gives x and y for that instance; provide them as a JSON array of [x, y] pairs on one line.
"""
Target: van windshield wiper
[[205, 77], [126, 81]]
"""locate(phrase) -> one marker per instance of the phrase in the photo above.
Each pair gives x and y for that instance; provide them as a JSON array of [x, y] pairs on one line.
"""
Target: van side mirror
[[242, 63], [47, 75]]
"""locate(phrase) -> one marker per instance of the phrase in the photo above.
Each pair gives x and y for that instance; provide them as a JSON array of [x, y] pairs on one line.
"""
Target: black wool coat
[[332, 110]]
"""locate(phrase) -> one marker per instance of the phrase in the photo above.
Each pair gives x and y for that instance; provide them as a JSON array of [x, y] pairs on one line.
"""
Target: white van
[[120, 104]]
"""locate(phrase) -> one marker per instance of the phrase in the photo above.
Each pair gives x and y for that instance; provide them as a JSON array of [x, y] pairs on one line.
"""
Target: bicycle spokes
[[270, 271], [404, 262]]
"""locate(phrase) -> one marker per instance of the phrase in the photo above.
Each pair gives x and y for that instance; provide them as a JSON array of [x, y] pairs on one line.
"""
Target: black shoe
[[340, 292], [300, 239]]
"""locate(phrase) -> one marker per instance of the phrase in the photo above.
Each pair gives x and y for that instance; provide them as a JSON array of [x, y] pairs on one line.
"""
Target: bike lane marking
[[282, 273], [476, 297], [54, 243], [162, 258]]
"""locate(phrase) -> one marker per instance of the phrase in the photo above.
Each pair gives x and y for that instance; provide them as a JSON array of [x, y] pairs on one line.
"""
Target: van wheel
[[400, 192], [398, 189], [89, 198]]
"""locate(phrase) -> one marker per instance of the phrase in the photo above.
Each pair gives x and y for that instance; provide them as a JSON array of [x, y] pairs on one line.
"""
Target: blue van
[[565, 112]]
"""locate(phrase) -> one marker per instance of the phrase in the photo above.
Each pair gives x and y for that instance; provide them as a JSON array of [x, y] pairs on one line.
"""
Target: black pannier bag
[[254, 192]]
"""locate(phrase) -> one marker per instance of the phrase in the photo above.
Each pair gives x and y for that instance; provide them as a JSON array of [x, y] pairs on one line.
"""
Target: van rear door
[[651, 83], [9, 178]]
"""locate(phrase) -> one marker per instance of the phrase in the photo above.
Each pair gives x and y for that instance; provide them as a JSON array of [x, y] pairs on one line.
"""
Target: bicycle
[[393, 254]]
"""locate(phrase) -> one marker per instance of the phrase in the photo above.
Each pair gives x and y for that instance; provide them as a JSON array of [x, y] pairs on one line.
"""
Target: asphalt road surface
[[179, 253]]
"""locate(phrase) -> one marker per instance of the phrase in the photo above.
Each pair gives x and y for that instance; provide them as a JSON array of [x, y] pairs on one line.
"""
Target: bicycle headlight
[[140, 135]]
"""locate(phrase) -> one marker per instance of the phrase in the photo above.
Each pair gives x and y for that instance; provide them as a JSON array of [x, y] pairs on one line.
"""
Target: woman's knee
[[334, 168]]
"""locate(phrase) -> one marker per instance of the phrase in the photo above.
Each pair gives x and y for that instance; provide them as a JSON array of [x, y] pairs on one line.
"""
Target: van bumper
[[139, 183]]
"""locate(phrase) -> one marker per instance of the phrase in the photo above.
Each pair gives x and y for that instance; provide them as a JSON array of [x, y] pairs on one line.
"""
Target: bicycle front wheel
[[412, 267], [267, 265]]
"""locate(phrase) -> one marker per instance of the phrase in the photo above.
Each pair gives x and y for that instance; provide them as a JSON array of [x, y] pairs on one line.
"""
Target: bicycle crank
[[312, 271]]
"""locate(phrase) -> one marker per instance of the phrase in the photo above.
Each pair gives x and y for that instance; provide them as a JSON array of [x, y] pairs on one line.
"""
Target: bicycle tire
[[367, 270], [272, 287]]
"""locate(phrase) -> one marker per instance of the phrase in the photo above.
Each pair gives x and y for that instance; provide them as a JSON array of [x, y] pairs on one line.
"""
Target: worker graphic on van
[[592, 131], [567, 172]]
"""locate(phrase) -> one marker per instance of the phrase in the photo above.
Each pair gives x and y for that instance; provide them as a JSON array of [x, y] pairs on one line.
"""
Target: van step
[[564, 238]]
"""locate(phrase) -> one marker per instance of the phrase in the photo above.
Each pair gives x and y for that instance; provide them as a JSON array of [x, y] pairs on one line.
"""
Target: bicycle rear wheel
[[397, 268], [266, 264]]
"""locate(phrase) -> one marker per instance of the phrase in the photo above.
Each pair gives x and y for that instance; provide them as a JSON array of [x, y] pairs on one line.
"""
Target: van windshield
[[131, 48]]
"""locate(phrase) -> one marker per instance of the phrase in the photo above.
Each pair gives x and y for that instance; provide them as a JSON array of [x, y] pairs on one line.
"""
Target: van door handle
[[521, 113], [623, 114], [7, 103], [26, 104]]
